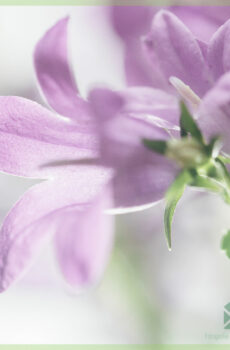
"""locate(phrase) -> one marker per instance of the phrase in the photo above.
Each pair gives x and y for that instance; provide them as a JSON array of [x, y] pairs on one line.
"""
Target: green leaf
[[159, 146], [172, 197], [188, 124], [225, 244]]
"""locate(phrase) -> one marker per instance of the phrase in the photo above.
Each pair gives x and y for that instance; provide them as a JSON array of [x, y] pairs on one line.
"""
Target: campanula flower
[[133, 22], [83, 173], [69, 203]]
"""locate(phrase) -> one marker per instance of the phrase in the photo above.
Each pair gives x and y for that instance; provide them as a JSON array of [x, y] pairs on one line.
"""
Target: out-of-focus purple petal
[[219, 52], [141, 176], [214, 112], [180, 54], [84, 241], [203, 21], [139, 70], [143, 183], [54, 72], [33, 218], [139, 116], [132, 21], [152, 105], [30, 136]]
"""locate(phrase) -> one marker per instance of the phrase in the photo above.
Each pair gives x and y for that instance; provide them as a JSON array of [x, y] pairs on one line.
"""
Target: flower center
[[186, 92], [187, 152]]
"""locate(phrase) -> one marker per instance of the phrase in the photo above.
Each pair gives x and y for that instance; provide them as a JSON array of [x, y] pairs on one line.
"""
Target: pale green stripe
[[115, 347], [107, 2]]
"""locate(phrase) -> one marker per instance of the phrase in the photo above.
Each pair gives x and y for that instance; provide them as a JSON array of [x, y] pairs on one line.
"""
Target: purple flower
[[184, 67], [70, 203], [133, 22], [190, 68], [91, 152], [79, 168]]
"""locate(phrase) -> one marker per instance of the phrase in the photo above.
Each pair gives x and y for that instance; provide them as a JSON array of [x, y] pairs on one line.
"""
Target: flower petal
[[54, 72], [132, 21], [142, 184], [214, 112], [219, 51], [141, 176], [35, 216], [180, 55], [30, 136], [130, 119], [84, 241], [203, 21]]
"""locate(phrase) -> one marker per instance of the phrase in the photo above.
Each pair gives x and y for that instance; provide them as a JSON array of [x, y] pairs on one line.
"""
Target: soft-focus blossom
[[91, 152], [190, 68], [64, 151], [133, 22], [183, 66], [71, 201]]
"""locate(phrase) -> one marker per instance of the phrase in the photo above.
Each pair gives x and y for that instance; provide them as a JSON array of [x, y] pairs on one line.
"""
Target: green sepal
[[207, 183], [225, 159], [158, 146], [213, 147], [188, 125], [225, 243], [172, 197]]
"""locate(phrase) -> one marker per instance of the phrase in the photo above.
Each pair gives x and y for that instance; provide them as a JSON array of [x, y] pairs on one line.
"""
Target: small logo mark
[[227, 316]]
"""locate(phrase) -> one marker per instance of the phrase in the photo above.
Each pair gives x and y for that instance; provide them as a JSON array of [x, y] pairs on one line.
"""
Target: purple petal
[[137, 114], [35, 216], [31, 136], [143, 183], [84, 241], [178, 52], [141, 176], [203, 21], [132, 21], [54, 73], [214, 112], [219, 51]]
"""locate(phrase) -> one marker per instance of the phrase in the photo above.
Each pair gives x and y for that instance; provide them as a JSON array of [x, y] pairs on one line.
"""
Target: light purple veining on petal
[[180, 55], [132, 22], [54, 73], [203, 21], [31, 136], [84, 241], [214, 112], [219, 51], [33, 218]]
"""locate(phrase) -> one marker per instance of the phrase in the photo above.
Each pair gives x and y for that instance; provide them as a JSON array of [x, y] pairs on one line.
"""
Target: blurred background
[[148, 294]]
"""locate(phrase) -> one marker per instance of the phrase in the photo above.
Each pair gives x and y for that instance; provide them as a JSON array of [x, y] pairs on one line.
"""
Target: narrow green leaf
[[188, 124], [158, 146], [173, 195], [225, 244]]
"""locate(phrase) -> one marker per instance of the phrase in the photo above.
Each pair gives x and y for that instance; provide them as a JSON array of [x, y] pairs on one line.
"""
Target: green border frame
[[115, 347], [108, 2], [116, 3]]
